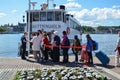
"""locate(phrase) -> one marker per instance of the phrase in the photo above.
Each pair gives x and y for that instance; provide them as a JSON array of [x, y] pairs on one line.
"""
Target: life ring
[[68, 30]]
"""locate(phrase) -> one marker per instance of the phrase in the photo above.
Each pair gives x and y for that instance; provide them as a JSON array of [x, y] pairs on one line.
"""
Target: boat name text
[[54, 26]]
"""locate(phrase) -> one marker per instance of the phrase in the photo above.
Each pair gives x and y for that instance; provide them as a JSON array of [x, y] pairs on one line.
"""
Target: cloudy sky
[[87, 12]]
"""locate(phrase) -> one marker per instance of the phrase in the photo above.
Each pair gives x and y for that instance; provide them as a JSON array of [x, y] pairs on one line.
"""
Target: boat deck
[[9, 66]]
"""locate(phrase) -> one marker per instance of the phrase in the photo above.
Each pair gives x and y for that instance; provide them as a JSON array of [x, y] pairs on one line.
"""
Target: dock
[[9, 66]]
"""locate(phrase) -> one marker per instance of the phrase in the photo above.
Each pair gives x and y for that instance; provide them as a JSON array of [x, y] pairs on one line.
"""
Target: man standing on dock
[[23, 41], [117, 62]]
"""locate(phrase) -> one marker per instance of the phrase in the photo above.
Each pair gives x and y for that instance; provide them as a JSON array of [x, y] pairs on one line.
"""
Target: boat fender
[[68, 30]]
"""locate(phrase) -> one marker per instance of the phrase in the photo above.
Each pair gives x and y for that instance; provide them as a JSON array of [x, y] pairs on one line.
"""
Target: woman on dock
[[76, 43], [89, 49], [36, 46]]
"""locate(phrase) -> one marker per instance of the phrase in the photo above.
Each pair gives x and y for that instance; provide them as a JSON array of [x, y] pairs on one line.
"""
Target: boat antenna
[[33, 4]]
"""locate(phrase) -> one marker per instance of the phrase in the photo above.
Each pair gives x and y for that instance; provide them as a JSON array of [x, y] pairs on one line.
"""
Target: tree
[[88, 29], [102, 28], [2, 29]]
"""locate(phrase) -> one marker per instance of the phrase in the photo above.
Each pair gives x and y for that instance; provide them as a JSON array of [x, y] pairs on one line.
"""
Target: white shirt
[[118, 42], [36, 43], [40, 37]]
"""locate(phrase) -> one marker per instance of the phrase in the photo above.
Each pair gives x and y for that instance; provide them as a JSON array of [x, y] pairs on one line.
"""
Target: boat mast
[[48, 3], [28, 25]]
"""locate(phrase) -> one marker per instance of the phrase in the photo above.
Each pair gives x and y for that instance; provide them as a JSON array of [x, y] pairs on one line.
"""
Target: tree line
[[88, 29], [2, 29], [100, 29]]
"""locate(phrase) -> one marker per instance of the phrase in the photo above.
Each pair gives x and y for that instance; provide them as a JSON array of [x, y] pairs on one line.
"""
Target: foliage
[[88, 29], [76, 73], [2, 29], [17, 76], [100, 29]]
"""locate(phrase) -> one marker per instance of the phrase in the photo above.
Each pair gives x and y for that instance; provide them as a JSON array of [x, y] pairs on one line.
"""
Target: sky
[[87, 12]]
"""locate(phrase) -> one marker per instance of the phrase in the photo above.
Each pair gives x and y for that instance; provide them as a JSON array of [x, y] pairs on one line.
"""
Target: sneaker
[[23, 58]]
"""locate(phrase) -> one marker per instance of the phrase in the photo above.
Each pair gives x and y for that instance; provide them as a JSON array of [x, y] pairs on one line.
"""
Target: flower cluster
[[75, 73]]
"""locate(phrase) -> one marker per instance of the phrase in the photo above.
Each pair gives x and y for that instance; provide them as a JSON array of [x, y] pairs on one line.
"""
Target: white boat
[[52, 19]]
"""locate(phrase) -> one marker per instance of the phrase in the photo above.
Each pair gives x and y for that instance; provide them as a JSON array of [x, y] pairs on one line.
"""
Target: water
[[9, 43], [107, 42]]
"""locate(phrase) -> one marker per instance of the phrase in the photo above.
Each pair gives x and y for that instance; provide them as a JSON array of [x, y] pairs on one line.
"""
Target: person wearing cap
[[56, 49]]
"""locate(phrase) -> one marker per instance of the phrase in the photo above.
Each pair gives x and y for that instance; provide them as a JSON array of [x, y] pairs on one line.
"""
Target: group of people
[[49, 44], [41, 46]]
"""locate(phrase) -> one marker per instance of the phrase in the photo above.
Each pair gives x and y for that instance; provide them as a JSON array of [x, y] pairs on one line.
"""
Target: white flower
[[88, 75], [80, 77], [72, 77], [64, 78], [94, 73], [98, 76]]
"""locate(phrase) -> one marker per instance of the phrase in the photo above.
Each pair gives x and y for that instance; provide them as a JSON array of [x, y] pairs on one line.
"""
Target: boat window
[[50, 16], [43, 16], [74, 25], [35, 16], [57, 16]]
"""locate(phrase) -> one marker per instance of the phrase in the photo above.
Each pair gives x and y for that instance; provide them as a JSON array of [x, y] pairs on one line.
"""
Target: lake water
[[9, 43]]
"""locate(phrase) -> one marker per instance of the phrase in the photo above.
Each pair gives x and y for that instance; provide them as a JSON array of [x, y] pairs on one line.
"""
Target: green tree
[[2, 29], [88, 29], [102, 28]]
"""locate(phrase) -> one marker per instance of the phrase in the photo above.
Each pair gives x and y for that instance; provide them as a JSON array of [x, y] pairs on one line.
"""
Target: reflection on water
[[9, 43]]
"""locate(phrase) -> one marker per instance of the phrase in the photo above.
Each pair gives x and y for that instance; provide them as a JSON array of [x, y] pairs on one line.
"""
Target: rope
[[61, 46]]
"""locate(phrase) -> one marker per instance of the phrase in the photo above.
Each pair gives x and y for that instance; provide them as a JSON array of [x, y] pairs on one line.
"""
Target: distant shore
[[22, 32]]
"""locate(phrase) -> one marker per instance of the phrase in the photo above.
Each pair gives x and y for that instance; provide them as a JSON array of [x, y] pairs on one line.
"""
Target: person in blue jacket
[[89, 46]]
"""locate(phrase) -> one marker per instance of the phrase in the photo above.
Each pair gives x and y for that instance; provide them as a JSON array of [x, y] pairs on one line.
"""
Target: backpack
[[95, 45], [57, 39], [78, 44]]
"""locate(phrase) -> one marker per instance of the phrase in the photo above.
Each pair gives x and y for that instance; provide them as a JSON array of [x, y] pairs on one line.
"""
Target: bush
[[76, 73]]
